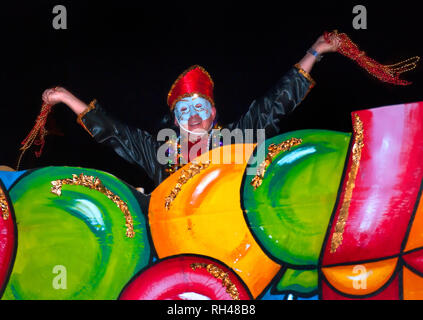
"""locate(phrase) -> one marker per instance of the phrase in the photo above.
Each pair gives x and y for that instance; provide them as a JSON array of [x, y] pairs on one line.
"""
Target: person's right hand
[[55, 95]]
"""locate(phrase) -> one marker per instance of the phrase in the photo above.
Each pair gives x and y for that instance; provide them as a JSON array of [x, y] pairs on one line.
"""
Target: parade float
[[327, 215]]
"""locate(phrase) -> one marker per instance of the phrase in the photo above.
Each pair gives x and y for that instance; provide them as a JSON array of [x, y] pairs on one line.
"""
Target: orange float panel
[[360, 279], [415, 238], [412, 285], [205, 217]]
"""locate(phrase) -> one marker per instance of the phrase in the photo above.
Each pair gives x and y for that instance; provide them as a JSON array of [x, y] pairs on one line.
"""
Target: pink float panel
[[175, 279], [7, 238], [386, 188]]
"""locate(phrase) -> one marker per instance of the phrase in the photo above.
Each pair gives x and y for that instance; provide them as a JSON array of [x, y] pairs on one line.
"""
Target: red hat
[[194, 80]]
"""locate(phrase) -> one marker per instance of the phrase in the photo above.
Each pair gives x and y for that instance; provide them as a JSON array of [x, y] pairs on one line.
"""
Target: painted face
[[194, 113]]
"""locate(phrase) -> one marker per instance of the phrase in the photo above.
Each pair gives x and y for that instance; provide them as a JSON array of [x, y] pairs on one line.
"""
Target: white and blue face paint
[[190, 107]]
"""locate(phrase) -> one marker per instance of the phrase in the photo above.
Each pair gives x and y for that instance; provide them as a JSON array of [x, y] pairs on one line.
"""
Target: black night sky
[[127, 54]]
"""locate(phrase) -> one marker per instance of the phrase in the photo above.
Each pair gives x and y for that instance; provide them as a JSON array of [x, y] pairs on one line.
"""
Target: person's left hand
[[321, 46]]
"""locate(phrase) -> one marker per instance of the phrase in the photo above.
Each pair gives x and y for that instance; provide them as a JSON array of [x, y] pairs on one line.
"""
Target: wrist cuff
[[91, 106], [306, 75]]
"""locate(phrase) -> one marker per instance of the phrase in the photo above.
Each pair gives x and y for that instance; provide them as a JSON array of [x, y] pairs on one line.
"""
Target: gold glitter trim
[[186, 175], [95, 184], [306, 75], [183, 75], [273, 151], [4, 206], [356, 157], [91, 106], [219, 274]]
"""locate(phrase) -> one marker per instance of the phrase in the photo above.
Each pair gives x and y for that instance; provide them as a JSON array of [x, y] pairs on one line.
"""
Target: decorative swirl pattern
[[273, 151], [186, 174], [219, 274], [343, 212], [95, 183], [4, 207]]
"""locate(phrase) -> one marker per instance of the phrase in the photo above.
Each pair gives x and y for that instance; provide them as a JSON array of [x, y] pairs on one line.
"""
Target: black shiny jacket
[[140, 147]]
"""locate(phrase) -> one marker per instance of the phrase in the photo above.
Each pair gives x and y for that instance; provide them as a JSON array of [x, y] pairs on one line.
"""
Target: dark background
[[127, 54]]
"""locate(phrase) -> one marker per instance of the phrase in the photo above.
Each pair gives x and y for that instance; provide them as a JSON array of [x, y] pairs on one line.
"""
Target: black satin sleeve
[[132, 144], [267, 111]]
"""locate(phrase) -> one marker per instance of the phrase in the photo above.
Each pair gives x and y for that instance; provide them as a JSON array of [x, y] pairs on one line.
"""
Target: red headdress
[[194, 80]]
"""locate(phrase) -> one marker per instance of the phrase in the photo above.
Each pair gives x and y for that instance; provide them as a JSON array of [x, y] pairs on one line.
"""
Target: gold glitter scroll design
[[218, 273], [186, 174], [4, 206], [94, 183], [356, 157], [273, 151]]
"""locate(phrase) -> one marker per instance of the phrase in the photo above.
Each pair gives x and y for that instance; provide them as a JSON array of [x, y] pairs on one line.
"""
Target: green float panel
[[290, 211], [298, 281], [74, 246]]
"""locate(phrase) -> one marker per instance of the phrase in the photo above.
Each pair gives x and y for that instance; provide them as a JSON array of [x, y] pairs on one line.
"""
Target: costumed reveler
[[192, 107]]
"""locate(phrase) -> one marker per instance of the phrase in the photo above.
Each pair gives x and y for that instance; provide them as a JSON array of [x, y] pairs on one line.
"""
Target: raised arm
[[318, 48], [134, 145], [56, 95], [267, 111]]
